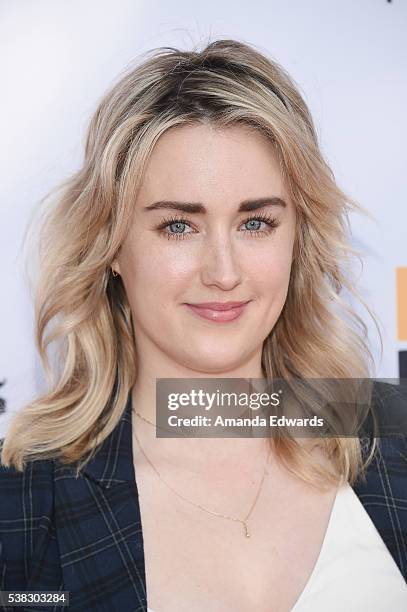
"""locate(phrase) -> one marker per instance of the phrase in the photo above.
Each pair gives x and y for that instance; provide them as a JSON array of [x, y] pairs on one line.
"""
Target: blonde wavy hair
[[84, 311]]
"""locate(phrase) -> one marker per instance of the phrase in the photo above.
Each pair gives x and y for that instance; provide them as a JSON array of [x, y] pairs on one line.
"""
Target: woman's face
[[212, 223]]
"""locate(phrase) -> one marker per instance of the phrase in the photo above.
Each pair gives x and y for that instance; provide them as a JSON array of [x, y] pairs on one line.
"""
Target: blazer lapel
[[99, 528], [384, 491]]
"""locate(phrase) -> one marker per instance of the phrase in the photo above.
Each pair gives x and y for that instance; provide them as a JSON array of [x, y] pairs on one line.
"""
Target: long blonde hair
[[85, 312]]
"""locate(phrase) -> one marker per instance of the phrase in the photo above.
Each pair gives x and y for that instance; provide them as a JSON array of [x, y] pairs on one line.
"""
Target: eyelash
[[271, 222]]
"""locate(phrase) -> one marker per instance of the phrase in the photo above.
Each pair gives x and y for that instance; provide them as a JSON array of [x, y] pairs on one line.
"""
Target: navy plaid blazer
[[84, 535]]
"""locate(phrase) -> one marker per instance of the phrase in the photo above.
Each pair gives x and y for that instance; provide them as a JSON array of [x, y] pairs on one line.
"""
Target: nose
[[220, 265]]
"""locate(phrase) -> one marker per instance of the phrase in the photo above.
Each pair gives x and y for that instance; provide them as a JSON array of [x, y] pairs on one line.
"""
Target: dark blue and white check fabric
[[84, 535]]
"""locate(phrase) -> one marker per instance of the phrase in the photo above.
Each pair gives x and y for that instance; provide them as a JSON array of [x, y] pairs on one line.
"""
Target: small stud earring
[[114, 273]]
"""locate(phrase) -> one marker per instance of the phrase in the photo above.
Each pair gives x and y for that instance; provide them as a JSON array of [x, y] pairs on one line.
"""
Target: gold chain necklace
[[218, 514]]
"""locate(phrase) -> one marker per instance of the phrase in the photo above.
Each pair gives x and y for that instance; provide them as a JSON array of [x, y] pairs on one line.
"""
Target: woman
[[202, 186]]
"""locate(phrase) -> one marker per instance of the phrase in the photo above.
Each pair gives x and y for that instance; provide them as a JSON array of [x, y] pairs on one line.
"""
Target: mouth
[[219, 312]]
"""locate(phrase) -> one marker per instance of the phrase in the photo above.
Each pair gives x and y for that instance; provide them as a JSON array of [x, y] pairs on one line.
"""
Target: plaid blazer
[[84, 535]]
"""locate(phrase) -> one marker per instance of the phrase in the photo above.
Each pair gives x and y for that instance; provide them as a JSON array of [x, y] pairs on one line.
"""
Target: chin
[[212, 362]]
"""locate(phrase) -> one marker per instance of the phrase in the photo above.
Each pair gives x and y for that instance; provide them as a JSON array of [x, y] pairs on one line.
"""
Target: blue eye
[[176, 225], [257, 223]]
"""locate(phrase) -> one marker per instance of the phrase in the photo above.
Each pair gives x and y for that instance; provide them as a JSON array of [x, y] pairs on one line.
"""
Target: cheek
[[153, 272], [270, 267], [270, 280], [271, 283]]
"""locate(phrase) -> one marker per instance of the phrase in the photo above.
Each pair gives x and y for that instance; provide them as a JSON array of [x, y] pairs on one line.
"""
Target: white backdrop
[[348, 57]]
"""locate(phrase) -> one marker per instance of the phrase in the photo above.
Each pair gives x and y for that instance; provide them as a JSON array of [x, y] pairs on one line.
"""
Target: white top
[[355, 570]]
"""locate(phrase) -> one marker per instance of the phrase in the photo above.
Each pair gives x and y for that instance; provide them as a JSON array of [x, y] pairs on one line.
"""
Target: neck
[[194, 454], [144, 390]]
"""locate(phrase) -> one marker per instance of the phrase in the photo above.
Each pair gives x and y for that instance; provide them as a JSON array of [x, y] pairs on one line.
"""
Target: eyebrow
[[198, 208]]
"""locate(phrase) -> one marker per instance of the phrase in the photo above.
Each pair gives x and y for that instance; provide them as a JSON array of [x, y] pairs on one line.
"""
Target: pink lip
[[218, 311]]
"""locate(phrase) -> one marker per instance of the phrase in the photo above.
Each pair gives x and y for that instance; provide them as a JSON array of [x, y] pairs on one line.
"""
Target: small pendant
[[247, 534]]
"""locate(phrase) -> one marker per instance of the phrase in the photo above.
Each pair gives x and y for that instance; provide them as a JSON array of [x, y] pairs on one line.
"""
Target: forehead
[[194, 160]]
